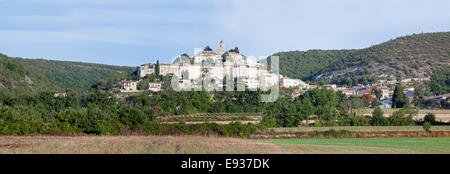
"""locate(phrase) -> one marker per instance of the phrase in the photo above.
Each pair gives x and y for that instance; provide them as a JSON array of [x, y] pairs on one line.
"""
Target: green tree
[[399, 99], [235, 49], [157, 70], [377, 117], [430, 118], [207, 48], [377, 93], [143, 84]]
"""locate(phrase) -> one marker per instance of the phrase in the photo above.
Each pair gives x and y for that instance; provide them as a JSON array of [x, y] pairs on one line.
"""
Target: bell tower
[[221, 44], [221, 48]]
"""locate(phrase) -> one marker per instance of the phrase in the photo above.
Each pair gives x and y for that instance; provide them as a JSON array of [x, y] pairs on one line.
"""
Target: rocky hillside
[[414, 56]]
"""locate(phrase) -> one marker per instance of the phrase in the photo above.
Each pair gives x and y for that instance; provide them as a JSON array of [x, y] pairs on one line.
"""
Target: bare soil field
[[218, 118]]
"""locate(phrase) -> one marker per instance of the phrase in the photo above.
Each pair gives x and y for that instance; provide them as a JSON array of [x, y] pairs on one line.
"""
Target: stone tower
[[221, 45], [221, 48]]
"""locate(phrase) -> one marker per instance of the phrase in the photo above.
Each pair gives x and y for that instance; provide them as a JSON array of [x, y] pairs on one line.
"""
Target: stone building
[[129, 85], [217, 64], [154, 86]]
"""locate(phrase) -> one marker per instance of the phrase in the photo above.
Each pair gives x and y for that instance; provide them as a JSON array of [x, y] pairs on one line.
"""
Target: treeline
[[102, 113], [329, 108]]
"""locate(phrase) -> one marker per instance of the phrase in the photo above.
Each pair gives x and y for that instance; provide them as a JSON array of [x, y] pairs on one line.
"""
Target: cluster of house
[[131, 86], [361, 90], [215, 64]]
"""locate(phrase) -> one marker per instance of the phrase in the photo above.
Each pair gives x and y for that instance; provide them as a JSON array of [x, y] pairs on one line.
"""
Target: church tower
[[221, 48], [221, 45]]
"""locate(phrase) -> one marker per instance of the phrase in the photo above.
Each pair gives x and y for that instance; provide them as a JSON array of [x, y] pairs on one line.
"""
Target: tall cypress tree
[[399, 99], [157, 68]]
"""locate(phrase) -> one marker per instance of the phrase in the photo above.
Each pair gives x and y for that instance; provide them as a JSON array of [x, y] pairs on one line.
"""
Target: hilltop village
[[219, 64], [216, 65]]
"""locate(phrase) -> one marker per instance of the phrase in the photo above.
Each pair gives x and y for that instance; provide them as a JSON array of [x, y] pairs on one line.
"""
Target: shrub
[[398, 119], [360, 121], [378, 119], [132, 117], [12, 122], [318, 123], [68, 121], [430, 118], [268, 121]]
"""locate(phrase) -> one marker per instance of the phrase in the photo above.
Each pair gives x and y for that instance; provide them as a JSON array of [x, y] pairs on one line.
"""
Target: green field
[[361, 128], [364, 145]]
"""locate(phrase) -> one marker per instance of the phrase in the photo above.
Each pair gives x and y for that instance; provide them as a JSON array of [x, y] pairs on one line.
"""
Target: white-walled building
[[288, 82], [146, 69], [252, 83], [129, 85], [154, 86], [217, 64]]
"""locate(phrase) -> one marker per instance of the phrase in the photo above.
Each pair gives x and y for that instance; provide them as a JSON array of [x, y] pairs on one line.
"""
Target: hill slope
[[78, 75], [53, 75], [305, 64], [17, 78], [414, 56]]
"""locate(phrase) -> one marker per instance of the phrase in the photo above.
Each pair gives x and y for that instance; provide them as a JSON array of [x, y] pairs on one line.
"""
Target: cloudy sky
[[133, 32]]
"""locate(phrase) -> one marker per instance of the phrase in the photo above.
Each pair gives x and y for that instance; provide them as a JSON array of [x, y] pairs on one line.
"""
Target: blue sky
[[134, 32]]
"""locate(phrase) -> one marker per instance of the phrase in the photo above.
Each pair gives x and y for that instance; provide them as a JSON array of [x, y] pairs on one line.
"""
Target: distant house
[[60, 94], [438, 98], [363, 92], [360, 90], [384, 93], [410, 95], [332, 87], [129, 85], [386, 103], [288, 82], [348, 92], [296, 93], [146, 69], [154, 86]]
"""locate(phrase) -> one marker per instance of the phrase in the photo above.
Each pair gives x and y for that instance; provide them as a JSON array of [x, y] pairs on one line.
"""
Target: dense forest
[[413, 56]]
